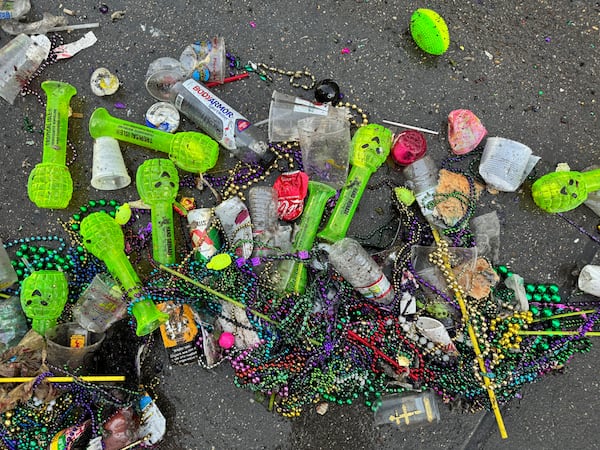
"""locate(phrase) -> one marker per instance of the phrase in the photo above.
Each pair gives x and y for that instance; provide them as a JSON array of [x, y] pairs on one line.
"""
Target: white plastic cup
[[589, 280], [19, 59], [8, 276], [108, 168], [505, 163], [208, 62]]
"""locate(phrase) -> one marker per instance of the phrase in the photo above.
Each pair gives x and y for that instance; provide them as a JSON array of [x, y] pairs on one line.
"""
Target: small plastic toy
[[43, 297], [558, 192], [430, 32], [103, 237], [371, 146], [191, 151], [50, 184], [157, 183]]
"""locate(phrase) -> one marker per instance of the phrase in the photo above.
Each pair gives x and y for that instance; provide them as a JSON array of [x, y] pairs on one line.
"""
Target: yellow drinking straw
[[476, 349], [89, 379]]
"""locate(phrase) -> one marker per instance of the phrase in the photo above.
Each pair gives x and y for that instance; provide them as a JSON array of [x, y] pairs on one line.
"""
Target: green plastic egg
[[429, 31]]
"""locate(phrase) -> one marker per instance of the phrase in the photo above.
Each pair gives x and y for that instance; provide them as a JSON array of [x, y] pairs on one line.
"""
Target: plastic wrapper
[[24, 360], [48, 22], [13, 325], [486, 228]]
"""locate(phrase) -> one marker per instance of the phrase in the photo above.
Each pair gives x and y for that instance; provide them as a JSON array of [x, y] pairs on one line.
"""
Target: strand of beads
[[243, 176], [38, 253], [295, 76]]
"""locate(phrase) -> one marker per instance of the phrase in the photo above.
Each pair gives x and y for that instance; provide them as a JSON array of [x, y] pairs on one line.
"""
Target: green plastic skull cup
[[558, 192], [157, 183], [103, 237], [43, 297], [371, 145], [189, 150], [50, 184]]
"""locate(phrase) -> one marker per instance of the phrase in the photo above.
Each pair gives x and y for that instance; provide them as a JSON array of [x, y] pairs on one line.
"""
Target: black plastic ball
[[327, 91]]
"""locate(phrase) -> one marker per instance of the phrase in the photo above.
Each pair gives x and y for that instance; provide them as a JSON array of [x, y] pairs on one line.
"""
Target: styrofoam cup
[[108, 168], [505, 163]]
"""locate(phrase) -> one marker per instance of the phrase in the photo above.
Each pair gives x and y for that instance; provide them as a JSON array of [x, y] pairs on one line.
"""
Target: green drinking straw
[[191, 151], [50, 184], [157, 183], [103, 237]]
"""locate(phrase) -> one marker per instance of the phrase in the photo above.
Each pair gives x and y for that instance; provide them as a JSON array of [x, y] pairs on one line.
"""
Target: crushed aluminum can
[[292, 188], [205, 237], [163, 116]]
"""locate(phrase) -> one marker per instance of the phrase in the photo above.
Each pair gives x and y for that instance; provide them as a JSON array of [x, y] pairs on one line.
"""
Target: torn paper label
[[72, 48]]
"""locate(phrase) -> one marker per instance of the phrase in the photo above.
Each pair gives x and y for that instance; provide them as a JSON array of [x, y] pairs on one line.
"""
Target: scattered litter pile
[[245, 278]]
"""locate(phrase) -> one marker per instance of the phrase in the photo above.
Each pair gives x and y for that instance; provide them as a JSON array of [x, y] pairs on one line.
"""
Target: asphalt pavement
[[528, 70]]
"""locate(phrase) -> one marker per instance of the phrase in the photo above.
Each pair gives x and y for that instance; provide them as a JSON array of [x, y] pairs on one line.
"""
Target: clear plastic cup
[[505, 163], [284, 113], [19, 59], [206, 60], [13, 324], [8, 276], [72, 347], [162, 74], [108, 168], [100, 305], [408, 410], [325, 145]]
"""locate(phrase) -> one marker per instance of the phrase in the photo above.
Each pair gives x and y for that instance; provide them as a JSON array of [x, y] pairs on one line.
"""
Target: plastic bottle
[[353, 262], [14, 9], [268, 234], [422, 178], [220, 121], [262, 204]]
